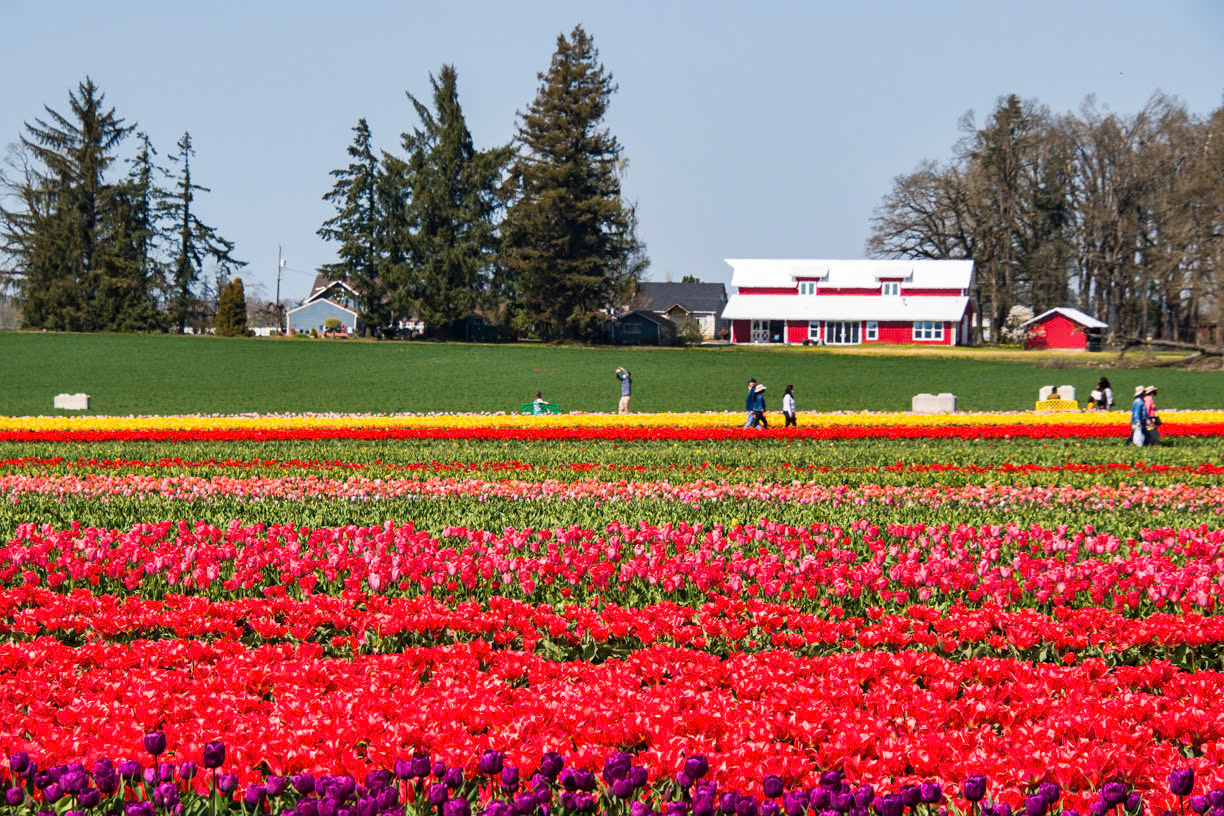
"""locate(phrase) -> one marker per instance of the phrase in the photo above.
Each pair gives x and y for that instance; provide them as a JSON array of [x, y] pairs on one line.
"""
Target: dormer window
[[890, 288], [807, 287]]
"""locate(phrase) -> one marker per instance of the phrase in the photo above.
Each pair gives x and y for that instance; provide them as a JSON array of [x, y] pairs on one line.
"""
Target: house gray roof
[[695, 297]]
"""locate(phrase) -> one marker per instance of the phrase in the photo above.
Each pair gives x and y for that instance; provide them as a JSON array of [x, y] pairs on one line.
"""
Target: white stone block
[[72, 402], [1066, 392], [933, 404], [1044, 393]]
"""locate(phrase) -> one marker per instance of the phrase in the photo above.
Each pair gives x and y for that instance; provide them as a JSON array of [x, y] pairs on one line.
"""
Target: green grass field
[[140, 374]]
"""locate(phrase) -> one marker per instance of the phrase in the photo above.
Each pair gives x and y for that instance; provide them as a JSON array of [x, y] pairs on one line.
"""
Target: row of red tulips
[[686, 434], [905, 717], [862, 564], [382, 624]]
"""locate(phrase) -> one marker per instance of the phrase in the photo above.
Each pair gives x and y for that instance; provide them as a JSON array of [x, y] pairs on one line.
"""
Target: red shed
[[1062, 328]]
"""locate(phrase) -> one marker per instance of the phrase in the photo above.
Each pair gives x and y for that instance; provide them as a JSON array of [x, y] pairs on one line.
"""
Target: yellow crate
[[1057, 405]]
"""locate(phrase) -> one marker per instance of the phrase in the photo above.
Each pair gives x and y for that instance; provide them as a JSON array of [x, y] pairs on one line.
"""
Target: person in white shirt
[[540, 405], [788, 406], [1107, 401]]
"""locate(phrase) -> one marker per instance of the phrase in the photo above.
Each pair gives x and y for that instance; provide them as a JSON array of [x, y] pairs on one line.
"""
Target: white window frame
[[871, 331], [831, 334], [928, 331], [759, 331], [890, 288], [807, 287], [814, 331]]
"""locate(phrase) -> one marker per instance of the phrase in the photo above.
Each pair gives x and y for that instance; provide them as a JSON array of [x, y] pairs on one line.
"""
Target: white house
[[835, 302]]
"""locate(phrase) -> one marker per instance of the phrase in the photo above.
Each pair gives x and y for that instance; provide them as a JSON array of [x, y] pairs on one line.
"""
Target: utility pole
[[280, 315]]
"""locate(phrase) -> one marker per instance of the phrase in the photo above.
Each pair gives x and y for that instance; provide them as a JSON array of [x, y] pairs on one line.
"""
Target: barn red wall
[[896, 332], [765, 290], [796, 331], [1060, 332], [925, 292], [824, 290], [741, 331]]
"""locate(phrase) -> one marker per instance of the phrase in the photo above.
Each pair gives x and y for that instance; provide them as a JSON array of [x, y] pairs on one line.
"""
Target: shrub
[[332, 324]]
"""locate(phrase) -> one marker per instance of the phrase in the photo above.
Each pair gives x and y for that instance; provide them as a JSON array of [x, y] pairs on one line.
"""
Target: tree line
[[1121, 216], [92, 249], [535, 233]]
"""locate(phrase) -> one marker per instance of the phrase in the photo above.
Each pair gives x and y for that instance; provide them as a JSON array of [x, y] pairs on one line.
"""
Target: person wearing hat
[[626, 383], [758, 407], [1138, 418], [1153, 421]]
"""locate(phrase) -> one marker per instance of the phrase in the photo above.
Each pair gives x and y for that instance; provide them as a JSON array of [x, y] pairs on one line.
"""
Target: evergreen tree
[[452, 199], [232, 310], [138, 245], [193, 240], [68, 231], [355, 227], [568, 236]]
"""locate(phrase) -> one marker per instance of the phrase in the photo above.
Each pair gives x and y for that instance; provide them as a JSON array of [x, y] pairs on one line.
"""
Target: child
[[788, 406], [758, 408], [540, 405]]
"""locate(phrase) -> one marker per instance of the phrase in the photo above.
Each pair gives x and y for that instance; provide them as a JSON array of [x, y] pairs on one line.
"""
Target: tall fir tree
[[193, 240], [68, 231], [232, 310], [453, 197], [356, 227], [568, 235]]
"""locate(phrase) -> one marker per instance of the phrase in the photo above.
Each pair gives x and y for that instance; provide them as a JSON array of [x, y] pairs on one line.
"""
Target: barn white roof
[[844, 307], [1075, 314], [855, 274]]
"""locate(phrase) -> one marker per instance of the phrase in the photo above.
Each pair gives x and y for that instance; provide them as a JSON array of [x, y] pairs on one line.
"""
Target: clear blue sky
[[764, 129]]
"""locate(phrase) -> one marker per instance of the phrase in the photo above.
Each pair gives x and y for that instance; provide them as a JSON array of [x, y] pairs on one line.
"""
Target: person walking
[[750, 420], [758, 407], [1138, 418], [1153, 421], [626, 384], [788, 406]]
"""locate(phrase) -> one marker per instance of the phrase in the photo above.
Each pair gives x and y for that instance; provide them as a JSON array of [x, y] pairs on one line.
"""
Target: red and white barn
[[845, 303], [1062, 328]]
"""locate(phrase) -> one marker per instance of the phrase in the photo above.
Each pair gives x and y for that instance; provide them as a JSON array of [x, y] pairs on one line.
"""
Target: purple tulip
[[551, 764], [491, 763], [1134, 803], [676, 809], [974, 788], [188, 770], [638, 776], [106, 780], [439, 769], [863, 795], [276, 785], [227, 782], [697, 766], [831, 780], [73, 782], [622, 788], [457, 806], [345, 785], [771, 785], [683, 781], [1217, 798], [403, 769], [53, 793], [1070, 812], [510, 776], [438, 794], [771, 808], [155, 742], [1200, 804], [841, 801], [303, 783], [328, 807], [214, 754], [1099, 808], [150, 777], [130, 769], [617, 767], [818, 799], [1003, 809], [889, 805], [1035, 805], [254, 796], [166, 795], [165, 772], [703, 806], [726, 803], [524, 805], [911, 795], [1181, 781], [144, 808], [90, 799], [1114, 794], [454, 779], [746, 806], [641, 809], [420, 766], [795, 803], [14, 796], [19, 762], [308, 807]]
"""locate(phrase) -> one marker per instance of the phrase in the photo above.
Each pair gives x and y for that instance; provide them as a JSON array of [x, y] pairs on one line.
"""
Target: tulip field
[[642, 615]]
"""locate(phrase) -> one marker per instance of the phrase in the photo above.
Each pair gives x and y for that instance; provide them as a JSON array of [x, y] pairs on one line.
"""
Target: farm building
[[642, 328], [327, 298], [843, 303], [702, 303], [1063, 328]]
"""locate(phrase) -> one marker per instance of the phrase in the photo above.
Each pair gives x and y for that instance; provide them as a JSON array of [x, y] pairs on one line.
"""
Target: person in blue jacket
[[1139, 418], [750, 404], [758, 408]]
